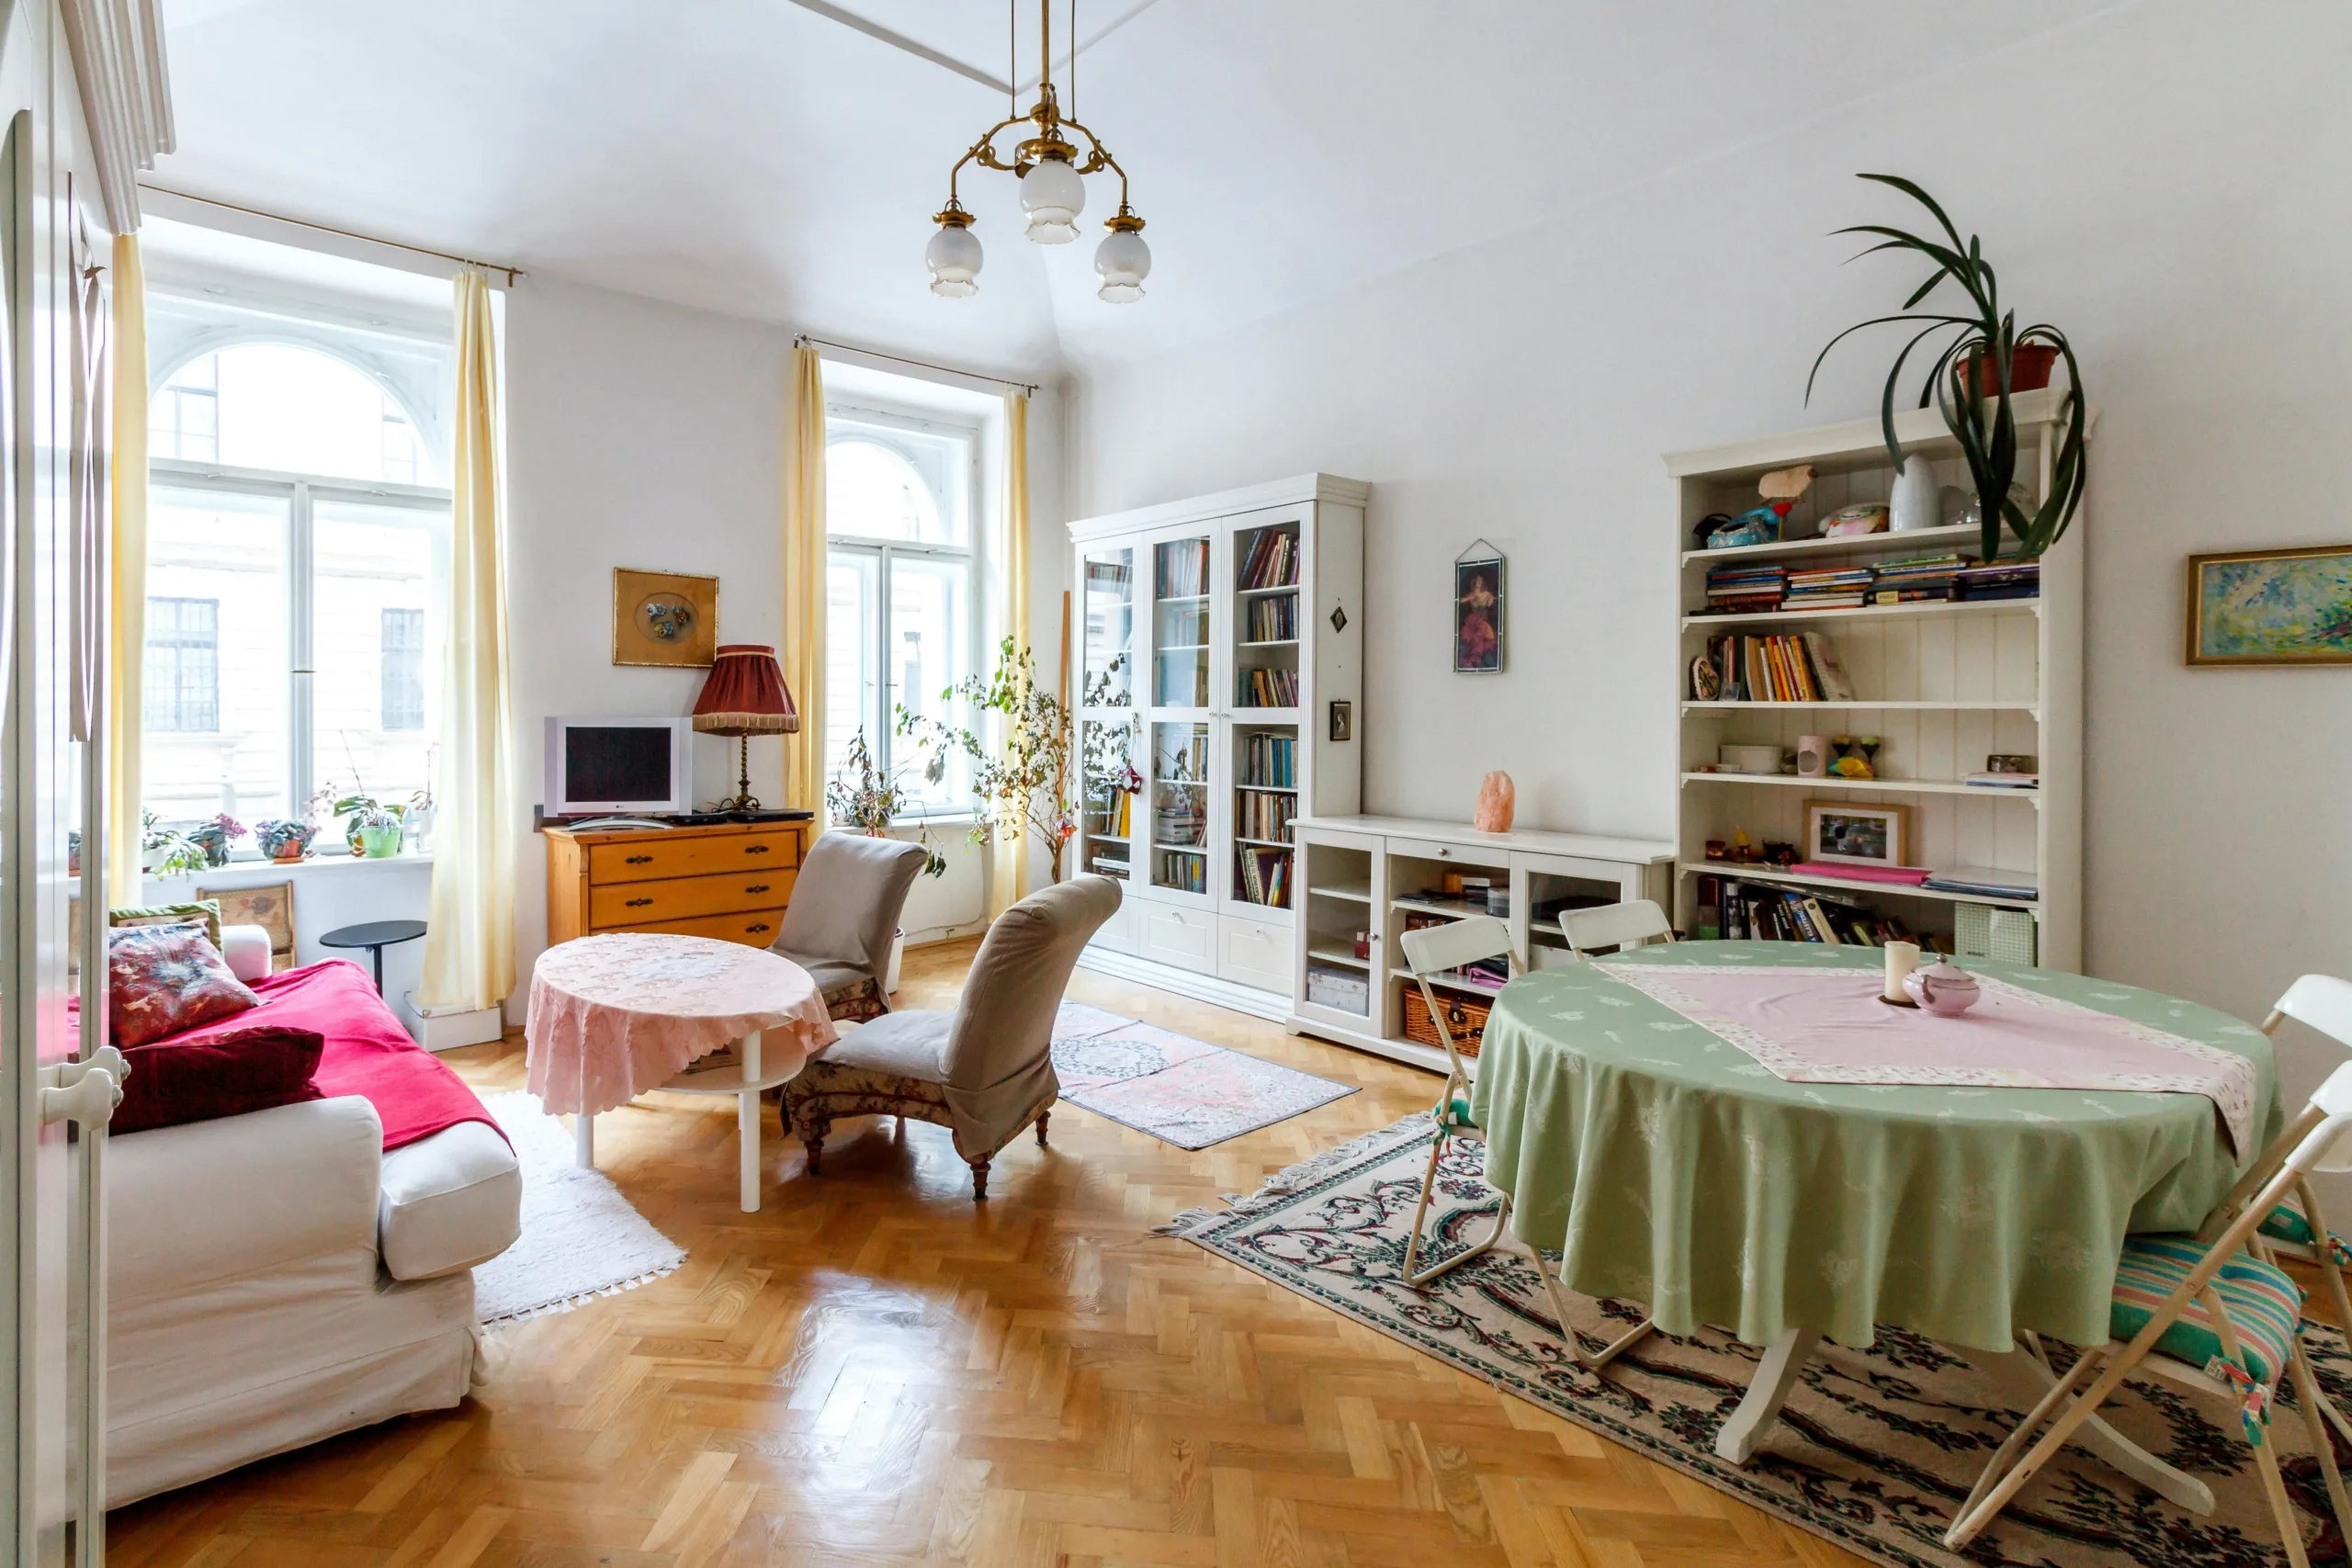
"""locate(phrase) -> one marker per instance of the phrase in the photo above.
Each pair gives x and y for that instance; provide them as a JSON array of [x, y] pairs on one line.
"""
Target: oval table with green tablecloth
[[1670, 1167]]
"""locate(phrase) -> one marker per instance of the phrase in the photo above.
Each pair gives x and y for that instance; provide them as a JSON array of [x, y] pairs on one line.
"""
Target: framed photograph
[[270, 907], [1850, 832], [664, 618], [1478, 590], [2271, 606]]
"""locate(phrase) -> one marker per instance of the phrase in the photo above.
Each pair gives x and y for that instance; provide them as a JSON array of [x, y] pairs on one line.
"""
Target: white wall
[[2165, 182], [649, 435]]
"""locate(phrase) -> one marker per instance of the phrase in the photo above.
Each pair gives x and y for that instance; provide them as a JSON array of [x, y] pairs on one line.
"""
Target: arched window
[[288, 407], [899, 615]]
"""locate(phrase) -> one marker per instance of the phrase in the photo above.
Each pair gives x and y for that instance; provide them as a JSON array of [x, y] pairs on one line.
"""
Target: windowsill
[[264, 870]]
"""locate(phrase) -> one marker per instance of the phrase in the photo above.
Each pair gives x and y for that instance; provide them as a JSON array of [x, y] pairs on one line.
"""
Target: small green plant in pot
[[1975, 376], [285, 841], [869, 800], [374, 829]]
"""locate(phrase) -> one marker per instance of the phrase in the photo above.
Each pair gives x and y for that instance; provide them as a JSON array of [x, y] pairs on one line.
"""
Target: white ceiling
[[768, 158]]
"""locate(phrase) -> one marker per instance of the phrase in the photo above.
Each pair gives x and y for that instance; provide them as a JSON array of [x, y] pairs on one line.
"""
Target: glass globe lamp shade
[[1123, 260], [1052, 196], [954, 257]]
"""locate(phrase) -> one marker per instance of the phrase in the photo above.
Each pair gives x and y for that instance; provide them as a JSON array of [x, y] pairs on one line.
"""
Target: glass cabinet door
[[1109, 605], [1179, 631], [1106, 811], [1180, 805]]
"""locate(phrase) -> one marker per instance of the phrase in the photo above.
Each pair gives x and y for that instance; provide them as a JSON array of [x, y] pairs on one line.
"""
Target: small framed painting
[[664, 618], [2271, 606], [270, 907], [1847, 832], [1478, 611]]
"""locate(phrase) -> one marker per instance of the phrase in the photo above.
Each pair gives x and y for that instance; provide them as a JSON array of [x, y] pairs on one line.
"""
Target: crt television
[[598, 767]]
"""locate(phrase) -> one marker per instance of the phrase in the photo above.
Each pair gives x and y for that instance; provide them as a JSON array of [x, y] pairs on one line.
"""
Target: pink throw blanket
[[1824, 1025]]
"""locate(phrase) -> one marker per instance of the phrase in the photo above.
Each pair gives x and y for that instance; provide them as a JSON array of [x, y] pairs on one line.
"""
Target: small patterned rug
[[1874, 1449], [581, 1236], [1180, 1091]]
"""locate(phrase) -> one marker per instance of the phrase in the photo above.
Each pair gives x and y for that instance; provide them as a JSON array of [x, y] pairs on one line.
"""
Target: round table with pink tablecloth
[[613, 1016]]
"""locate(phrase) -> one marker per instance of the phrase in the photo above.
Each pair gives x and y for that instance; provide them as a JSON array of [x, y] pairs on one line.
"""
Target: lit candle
[[1902, 957]]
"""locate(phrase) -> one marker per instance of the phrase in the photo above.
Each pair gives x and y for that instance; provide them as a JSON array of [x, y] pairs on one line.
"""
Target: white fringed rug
[[581, 1238]]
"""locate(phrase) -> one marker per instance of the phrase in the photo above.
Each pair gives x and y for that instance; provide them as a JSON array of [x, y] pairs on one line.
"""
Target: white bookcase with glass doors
[[1219, 680]]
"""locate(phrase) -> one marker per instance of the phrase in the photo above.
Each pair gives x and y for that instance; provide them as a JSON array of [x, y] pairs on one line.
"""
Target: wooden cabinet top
[[591, 837]]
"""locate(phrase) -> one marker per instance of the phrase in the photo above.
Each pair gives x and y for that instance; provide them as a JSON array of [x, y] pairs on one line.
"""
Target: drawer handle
[[639, 859], [756, 887], [759, 926], [756, 849], [638, 903]]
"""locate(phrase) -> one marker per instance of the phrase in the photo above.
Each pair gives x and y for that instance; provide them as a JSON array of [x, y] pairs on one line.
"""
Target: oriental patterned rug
[[1875, 1447], [1180, 1091]]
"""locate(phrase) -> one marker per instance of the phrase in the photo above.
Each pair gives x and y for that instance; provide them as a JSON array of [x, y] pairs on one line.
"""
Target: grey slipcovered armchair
[[844, 915], [984, 1071]]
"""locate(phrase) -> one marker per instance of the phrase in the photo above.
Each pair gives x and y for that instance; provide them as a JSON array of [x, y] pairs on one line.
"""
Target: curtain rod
[[512, 271], [1029, 387]]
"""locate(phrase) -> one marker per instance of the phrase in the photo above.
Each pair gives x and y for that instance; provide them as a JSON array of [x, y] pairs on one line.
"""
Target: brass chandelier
[[1052, 192]]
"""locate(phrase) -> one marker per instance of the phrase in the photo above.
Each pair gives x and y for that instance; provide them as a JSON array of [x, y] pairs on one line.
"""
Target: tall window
[[899, 620], [183, 664], [285, 504]]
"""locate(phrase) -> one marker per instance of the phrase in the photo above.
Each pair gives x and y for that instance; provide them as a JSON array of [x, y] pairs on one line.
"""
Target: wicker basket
[[1465, 1019]]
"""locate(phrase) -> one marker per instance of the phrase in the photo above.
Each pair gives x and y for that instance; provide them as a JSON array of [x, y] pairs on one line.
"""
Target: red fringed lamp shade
[[745, 694]]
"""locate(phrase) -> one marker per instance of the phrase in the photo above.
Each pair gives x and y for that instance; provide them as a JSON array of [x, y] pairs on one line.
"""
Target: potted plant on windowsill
[[864, 797], [373, 829], [215, 837], [286, 843]]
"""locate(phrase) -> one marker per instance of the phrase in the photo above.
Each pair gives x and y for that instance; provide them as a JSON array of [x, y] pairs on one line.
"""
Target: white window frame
[[301, 492], [884, 552]]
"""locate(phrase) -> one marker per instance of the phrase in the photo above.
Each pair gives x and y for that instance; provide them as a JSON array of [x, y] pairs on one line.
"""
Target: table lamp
[[744, 695]]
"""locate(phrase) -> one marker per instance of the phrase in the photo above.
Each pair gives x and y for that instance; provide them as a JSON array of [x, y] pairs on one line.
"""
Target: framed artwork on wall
[[1849, 832], [1479, 589], [2289, 606], [270, 907], [664, 618]]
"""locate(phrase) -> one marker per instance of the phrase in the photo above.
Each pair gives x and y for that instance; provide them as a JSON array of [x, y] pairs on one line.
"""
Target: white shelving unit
[[1195, 671], [1378, 874], [1942, 684]]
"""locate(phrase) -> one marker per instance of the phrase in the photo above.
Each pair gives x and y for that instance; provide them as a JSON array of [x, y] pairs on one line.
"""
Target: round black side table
[[375, 936]]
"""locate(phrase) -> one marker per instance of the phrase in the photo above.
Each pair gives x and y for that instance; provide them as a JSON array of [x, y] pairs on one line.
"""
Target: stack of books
[[1269, 689], [1743, 589], [1272, 562], [1999, 579], [1828, 587], [1270, 760], [1986, 882], [1790, 668], [1265, 876], [1274, 618], [1263, 813], [1920, 578], [1750, 911], [1183, 569], [2002, 781]]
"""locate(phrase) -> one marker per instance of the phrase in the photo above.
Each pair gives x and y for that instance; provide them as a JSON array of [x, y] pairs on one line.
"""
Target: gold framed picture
[[2287, 606], [664, 618]]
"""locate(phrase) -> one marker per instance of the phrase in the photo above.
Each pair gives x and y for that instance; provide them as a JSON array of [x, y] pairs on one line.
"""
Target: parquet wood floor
[[875, 1371]]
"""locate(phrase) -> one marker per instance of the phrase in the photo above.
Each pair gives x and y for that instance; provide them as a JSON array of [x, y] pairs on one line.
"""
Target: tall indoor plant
[[868, 798], [1030, 780], [1972, 378]]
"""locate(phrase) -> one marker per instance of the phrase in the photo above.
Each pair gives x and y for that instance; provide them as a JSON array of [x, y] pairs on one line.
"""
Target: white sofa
[[276, 1279]]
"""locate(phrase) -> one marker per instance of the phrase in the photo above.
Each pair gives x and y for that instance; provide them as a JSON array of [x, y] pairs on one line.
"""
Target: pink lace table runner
[[1822, 1025], [615, 1015]]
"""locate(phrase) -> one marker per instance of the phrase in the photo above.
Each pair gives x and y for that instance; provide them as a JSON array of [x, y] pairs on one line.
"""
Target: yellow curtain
[[470, 944], [126, 659], [804, 581], [1009, 854]]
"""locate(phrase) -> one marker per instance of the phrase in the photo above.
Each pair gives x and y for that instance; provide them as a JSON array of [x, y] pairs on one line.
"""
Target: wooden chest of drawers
[[731, 880]]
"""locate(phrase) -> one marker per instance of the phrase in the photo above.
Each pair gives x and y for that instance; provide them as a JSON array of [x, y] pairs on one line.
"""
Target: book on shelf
[[1260, 815], [1731, 909], [1273, 619], [1779, 668], [1270, 762], [1272, 562], [1265, 876], [1183, 628], [2006, 579], [1182, 569], [1270, 688], [1184, 873], [2002, 781], [1987, 882]]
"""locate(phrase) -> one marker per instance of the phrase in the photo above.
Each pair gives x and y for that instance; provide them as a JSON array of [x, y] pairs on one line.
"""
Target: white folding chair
[[1613, 925], [2212, 1315], [1434, 950]]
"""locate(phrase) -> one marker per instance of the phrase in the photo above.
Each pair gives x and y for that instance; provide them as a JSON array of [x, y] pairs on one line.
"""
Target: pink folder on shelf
[[1911, 875]]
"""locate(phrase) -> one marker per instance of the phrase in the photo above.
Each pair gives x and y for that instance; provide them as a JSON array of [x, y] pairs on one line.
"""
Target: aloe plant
[[1986, 426]]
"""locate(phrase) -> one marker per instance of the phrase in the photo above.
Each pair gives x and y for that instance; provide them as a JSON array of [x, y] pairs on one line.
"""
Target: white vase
[[897, 952], [1916, 502]]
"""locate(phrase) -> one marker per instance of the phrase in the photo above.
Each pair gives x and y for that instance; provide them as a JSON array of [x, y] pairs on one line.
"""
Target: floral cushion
[[205, 911], [164, 979], [855, 1001], [2264, 1309]]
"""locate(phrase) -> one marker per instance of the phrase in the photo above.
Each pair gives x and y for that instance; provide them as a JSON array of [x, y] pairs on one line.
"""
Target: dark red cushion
[[164, 979], [221, 1072]]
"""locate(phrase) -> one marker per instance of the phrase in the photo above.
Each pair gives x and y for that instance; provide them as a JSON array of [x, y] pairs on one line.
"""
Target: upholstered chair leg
[[815, 1138], [979, 1180], [1042, 1116]]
